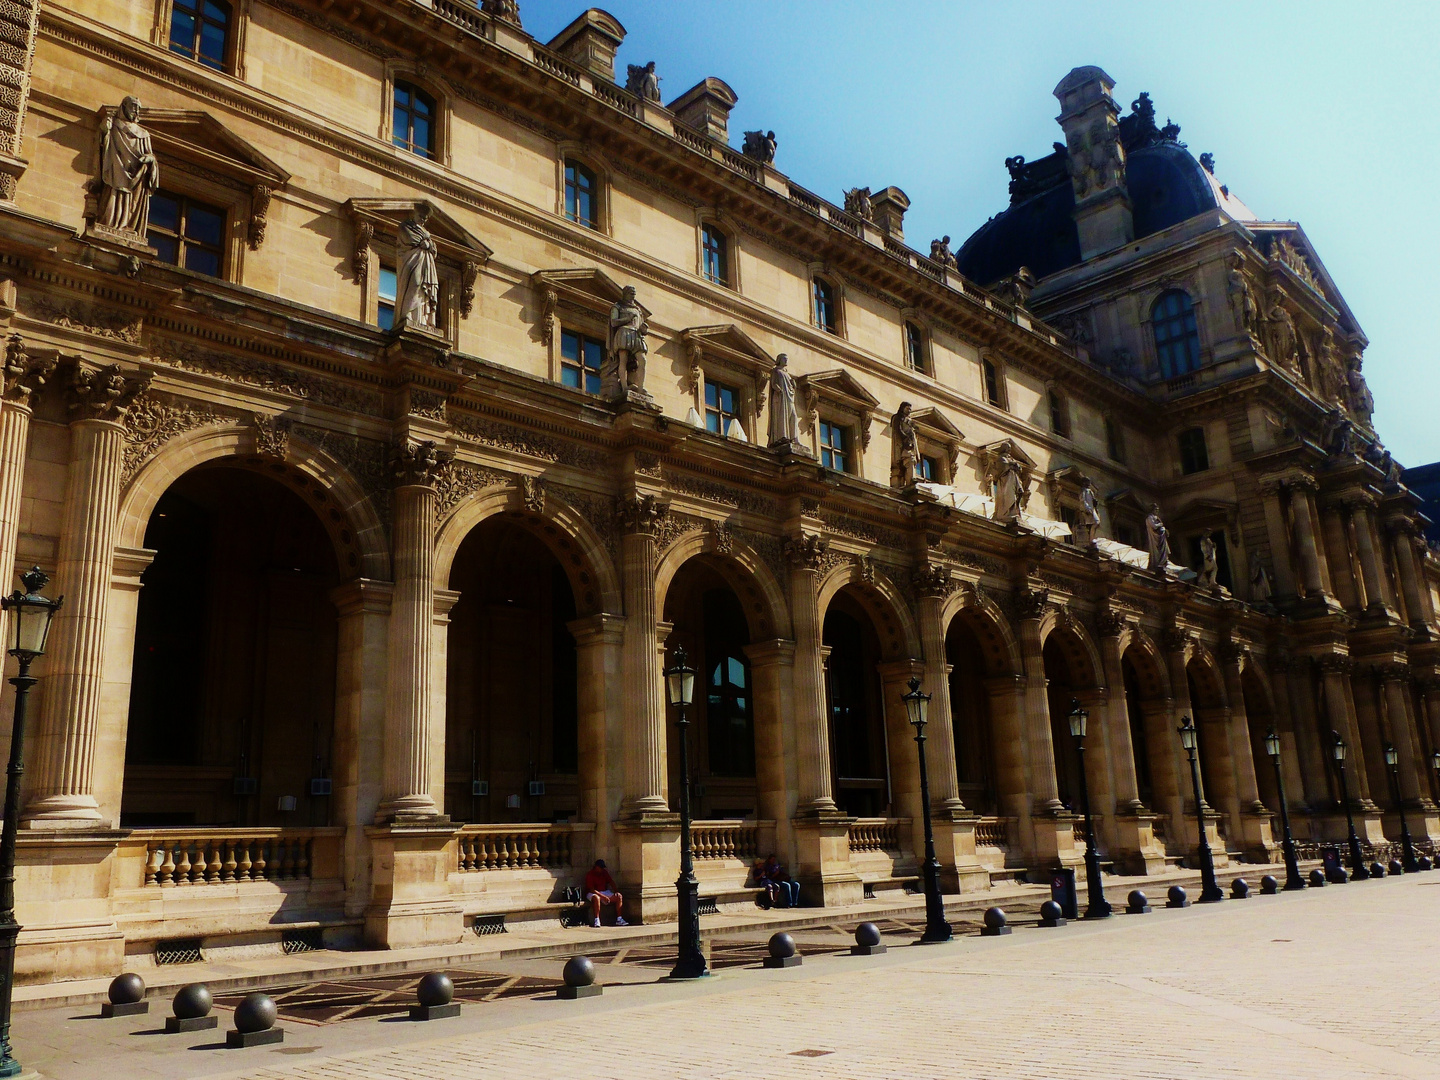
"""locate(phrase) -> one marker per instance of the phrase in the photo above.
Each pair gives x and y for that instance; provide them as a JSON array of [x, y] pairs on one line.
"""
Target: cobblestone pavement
[[1336, 982]]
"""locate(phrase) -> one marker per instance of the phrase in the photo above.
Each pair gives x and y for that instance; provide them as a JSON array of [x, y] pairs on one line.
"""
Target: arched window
[[414, 128], [822, 301], [915, 348], [200, 30], [715, 253], [581, 195], [1177, 342]]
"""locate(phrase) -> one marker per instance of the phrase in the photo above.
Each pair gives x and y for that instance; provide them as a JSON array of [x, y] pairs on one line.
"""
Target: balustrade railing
[[993, 832], [724, 839], [515, 847], [613, 95], [465, 15], [557, 67], [875, 834], [223, 856]]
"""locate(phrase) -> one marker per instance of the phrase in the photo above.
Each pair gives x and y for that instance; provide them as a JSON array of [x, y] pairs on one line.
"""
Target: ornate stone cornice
[[103, 393], [419, 464]]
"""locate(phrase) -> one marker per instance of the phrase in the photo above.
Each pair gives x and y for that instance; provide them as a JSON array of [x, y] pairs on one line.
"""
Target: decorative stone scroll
[[259, 215]]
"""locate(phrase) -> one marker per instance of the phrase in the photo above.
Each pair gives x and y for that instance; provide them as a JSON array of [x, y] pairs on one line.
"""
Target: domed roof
[[1166, 184]]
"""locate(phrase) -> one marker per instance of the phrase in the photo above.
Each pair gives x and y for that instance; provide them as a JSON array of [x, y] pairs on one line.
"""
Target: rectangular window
[[915, 347], [198, 30], [1114, 440], [385, 292], [1127, 534], [822, 296], [187, 233], [927, 469], [992, 384], [716, 251], [580, 194], [1193, 455], [720, 405], [1059, 414], [1069, 515], [834, 452], [580, 360]]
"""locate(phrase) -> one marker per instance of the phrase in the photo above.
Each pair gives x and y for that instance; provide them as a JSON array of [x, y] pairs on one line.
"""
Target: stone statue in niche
[[1362, 402], [1012, 489], [129, 172], [784, 415], [1242, 298], [940, 253], [1157, 539], [417, 280], [1209, 567], [1087, 521], [760, 145], [1259, 581], [623, 373], [643, 82], [906, 443]]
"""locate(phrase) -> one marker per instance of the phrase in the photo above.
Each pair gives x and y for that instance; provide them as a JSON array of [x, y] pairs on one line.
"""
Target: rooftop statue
[[940, 252], [643, 82], [760, 145], [857, 202]]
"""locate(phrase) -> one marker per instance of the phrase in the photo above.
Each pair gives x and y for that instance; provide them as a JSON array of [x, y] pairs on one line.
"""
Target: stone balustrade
[[993, 832], [876, 834], [539, 846], [224, 856], [724, 839]]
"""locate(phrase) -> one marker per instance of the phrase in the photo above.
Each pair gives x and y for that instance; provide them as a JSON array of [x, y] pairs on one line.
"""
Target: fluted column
[[812, 734], [1363, 530], [1275, 528], [1402, 535], [1305, 538], [1340, 713], [64, 792], [1044, 787], [1400, 727], [1242, 755], [408, 795], [23, 378], [932, 582], [1117, 719], [645, 766]]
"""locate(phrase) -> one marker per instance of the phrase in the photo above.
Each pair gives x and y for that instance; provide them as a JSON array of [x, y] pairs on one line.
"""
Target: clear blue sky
[[1323, 113]]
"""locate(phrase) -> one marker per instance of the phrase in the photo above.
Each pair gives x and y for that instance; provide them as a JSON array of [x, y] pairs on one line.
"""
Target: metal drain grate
[[298, 941], [488, 924], [178, 951], [708, 906]]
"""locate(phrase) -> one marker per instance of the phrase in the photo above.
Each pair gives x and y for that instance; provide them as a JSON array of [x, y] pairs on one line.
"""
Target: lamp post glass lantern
[[1407, 846], [1293, 878], [690, 961], [1210, 891], [1096, 906], [29, 627], [917, 709], [1357, 860]]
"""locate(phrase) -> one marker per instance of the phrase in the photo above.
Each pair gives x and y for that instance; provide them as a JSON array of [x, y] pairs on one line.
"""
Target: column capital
[[1334, 664], [25, 374], [599, 629], [1110, 623], [932, 580], [900, 670], [806, 552], [103, 393], [418, 464], [1392, 672], [1028, 603], [362, 595], [642, 514]]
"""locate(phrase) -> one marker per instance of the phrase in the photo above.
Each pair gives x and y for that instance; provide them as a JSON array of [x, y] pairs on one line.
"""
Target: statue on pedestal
[[1209, 567], [906, 447], [1259, 581], [1012, 492], [1087, 521], [784, 417], [1157, 538], [417, 280], [623, 373], [129, 172]]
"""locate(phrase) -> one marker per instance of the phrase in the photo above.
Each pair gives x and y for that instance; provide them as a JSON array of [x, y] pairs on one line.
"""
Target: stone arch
[[1145, 658], [343, 506], [1206, 678], [743, 570], [1075, 643], [987, 622], [563, 529], [894, 623]]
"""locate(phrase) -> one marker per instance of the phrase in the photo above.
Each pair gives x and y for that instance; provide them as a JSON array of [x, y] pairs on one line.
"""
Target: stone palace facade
[[389, 393]]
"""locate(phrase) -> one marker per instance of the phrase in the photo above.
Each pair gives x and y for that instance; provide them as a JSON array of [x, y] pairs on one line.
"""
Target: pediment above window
[[585, 290], [452, 239], [198, 138], [731, 348], [841, 392]]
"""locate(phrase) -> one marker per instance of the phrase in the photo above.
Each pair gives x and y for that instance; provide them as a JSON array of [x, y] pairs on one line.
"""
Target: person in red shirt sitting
[[600, 888]]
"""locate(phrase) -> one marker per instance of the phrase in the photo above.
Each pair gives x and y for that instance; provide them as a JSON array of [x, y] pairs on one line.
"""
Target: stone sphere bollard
[[1137, 903], [191, 1007], [782, 952], [435, 989], [1317, 879], [1239, 889], [1051, 914], [255, 1022], [1269, 886], [579, 976], [1396, 867], [867, 940], [997, 923], [1377, 869], [1178, 898], [127, 993], [1425, 863]]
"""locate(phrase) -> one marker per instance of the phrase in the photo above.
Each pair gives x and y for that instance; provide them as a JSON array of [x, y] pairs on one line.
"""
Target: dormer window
[[822, 303], [581, 195], [414, 120], [200, 31], [1177, 341]]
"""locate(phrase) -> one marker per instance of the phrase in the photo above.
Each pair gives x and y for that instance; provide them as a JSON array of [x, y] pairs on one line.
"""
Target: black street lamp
[[917, 705], [1096, 907], [690, 963], [30, 615], [1357, 861], [1210, 891], [1407, 846], [1293, 879]]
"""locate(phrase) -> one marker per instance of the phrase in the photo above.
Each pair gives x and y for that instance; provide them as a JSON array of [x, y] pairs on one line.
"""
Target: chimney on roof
[[706, 108], [889, 208], [590, 41], [1096, 161]]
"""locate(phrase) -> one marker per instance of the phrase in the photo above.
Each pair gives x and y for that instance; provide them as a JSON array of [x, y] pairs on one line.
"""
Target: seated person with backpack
[[600, 889], [780, 885]]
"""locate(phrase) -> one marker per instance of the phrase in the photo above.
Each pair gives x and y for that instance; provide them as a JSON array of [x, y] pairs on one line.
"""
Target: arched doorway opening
[[708, 619], [512, 688], [1212, 718], [856, 708], [1060, 688], [971, 717], [1260, 718], [232, 693], [1139, 738]]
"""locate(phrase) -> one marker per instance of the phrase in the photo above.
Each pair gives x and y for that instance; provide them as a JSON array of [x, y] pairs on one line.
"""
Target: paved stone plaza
[[1328, 983]]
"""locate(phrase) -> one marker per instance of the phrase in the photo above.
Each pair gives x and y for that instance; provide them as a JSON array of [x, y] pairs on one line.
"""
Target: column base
[[1136, 850], [647, 845], [822, 841], [54, 812], [1258, 836], [63, 885], [1054, 843], [410, 899], [960, 868]]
